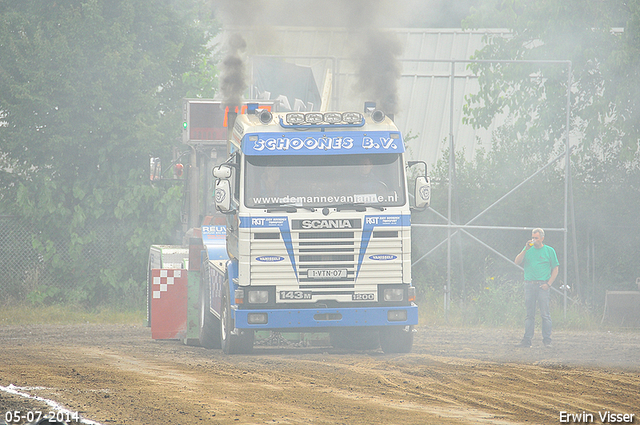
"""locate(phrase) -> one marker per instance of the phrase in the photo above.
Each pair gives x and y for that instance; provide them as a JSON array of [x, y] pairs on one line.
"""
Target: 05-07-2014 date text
[[18, 416]]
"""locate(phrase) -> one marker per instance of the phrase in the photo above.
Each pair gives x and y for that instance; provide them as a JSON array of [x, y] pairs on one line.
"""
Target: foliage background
[[601, 39], [89, 90]]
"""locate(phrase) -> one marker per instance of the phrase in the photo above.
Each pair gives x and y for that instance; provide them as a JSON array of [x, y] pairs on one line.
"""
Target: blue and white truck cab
[[318, 231]]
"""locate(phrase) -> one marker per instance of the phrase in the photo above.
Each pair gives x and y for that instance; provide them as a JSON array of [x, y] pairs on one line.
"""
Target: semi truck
[[306, 229]]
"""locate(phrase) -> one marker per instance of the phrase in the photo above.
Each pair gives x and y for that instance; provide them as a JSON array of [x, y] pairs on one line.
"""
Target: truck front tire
[[396, 339], [231, 343], [209, 327]]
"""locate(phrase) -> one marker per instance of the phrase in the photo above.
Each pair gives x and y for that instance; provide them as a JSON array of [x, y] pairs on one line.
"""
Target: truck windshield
[[324, 180]]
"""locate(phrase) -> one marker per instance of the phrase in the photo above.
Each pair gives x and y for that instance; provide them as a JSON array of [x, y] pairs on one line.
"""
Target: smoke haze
[[233, 81], [375, 50]]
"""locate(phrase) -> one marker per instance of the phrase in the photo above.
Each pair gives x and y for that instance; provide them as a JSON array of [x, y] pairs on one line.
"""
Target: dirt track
[[119, 375]]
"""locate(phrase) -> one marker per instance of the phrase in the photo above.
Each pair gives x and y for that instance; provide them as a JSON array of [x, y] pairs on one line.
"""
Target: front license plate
[[327, 273]]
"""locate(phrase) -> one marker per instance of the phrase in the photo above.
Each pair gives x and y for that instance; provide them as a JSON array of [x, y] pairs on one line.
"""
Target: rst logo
[[323, 224]]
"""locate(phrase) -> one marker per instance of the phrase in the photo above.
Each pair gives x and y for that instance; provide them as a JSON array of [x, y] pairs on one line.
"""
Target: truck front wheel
[[240, 343], [209, 328], [396, 339]]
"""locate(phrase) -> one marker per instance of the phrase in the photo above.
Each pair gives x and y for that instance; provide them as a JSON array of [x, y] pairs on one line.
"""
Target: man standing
[[540, 264]]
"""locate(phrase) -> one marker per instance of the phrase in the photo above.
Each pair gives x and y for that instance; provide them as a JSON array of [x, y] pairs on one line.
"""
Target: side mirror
[[422, 185], [223, 195], [422, 192], [221, 171]]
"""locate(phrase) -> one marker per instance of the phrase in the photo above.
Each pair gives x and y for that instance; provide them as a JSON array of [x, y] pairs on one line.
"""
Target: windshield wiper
[[279, 206], [356, 206], [286, 207]]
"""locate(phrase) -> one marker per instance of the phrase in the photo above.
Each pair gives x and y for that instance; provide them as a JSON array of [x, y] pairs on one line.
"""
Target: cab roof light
[[313, 118], [294, 118], [352, 117], [332, 117], [318, 119]]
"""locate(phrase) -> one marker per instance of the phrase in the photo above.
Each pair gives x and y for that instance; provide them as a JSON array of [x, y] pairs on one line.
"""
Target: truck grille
[[326, 251], [335, 253]]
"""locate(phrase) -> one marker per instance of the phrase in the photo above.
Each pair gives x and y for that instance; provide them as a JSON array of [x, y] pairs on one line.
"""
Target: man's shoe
[[525, 344], [547, 344]]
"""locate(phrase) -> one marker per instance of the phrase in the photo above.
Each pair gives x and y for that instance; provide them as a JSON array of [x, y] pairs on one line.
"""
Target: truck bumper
[[326, 317]]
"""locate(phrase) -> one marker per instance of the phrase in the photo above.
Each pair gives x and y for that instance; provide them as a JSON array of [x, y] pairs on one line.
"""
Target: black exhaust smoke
[[379, 69], [377, 52], [233, 80]]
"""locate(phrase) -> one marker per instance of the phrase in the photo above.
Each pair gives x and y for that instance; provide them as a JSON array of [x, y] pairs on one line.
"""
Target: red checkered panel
[[168, 303]]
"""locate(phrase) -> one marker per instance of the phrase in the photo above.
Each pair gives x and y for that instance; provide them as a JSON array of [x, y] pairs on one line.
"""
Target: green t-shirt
[[538, 263]]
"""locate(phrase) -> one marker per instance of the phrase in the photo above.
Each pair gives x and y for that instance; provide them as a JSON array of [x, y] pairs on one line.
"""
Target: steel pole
[[567, 171]]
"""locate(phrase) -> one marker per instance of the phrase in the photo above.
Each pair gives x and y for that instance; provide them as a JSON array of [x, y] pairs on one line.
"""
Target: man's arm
[[554, 274], [520, 256]]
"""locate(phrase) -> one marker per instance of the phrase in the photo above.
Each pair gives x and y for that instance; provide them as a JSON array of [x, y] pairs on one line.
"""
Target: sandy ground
[[117, 374]]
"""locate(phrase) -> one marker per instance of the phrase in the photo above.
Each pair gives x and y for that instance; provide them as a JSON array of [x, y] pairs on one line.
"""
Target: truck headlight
[[394, 294], [257, 318], [397, 315], [258, 297]]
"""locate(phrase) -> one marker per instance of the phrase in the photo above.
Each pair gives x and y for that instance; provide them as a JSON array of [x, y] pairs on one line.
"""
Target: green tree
[[601, 41], [89, 90]]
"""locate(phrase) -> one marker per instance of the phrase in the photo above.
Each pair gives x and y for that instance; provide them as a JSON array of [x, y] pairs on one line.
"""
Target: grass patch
[[577, 318], [501, 305], [68, 315]]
